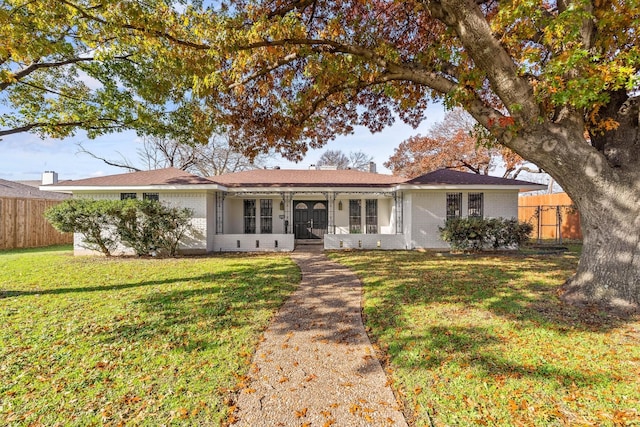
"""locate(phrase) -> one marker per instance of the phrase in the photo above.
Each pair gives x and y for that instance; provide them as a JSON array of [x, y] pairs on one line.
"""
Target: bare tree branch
[[125, 164]]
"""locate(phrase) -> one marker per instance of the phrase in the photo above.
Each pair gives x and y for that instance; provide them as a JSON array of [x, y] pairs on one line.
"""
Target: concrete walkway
[[316, 366]]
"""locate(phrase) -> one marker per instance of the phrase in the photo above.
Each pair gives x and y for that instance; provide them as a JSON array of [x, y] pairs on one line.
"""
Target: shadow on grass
[[467, 346], [212, 308], [467, 293], [104, 288], [510, 287]]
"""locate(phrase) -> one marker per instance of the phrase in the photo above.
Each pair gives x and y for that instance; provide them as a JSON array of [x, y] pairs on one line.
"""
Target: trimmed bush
[[475, 234], [91, 218], [147, 226]]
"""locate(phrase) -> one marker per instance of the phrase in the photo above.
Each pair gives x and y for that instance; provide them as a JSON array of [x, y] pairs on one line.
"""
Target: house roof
[[453, 177], [306, 178], [282, 178], [167, 176], [16, 189]]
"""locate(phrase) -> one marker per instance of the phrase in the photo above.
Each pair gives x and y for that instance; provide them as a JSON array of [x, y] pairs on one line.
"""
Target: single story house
[[273, 209]]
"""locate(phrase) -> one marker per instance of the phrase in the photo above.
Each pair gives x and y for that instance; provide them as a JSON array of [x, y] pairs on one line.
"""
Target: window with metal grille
[[454, 205], [151, 196], [355, 217], [250, 216], [371, 211], [476, 205], [266, 216], [127, 196]]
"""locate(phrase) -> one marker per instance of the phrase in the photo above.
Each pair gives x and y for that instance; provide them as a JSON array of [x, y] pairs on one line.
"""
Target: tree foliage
[[79, 64], [454, 143]]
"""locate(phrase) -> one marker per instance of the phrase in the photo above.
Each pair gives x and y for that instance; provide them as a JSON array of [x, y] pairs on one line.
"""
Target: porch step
[[318, 242]]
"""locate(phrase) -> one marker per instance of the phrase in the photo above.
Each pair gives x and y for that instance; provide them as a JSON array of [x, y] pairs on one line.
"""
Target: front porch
[[268, 221]]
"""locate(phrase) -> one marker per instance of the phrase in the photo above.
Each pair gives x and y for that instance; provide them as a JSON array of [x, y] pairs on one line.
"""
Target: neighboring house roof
[[32, 182], [306, 178], [453, 177], [167, 176], [287, 178], [16, 189]]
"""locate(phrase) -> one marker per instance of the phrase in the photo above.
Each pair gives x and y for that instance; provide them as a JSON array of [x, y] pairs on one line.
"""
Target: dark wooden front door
[[310, 219]]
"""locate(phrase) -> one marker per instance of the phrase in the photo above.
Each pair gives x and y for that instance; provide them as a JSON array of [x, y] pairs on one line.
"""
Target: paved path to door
[[316, 366]]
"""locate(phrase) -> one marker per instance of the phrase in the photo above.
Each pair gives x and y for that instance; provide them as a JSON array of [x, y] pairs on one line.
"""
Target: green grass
[[484, 340], [97, 341]]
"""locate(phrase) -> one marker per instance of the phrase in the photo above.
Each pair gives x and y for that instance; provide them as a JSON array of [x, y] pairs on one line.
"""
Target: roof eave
[[525, 187], [153, 187]]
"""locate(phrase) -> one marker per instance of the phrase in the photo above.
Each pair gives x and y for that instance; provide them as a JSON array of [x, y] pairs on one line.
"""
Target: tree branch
[[30, 126], [298, 4], [124, 165], [469, 23], [38, 65], [143, 30]]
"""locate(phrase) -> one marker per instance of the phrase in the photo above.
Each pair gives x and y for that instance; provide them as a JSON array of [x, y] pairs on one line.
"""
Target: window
[[127, 196], [454, 205], [266, 216], [371, 219], [355, 217], [151, 196], [476, 205], [250, 216]]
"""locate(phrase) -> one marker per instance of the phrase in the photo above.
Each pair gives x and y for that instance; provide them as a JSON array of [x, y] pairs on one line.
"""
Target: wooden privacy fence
[[553, 216], [22, 224]]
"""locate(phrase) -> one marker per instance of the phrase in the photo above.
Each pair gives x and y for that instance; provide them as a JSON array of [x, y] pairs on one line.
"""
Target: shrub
[[464, 233], [146, 226], [475, 233], [91, 218]]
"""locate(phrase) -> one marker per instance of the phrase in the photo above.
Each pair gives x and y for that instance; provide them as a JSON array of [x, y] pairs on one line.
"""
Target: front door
[[310, 219]]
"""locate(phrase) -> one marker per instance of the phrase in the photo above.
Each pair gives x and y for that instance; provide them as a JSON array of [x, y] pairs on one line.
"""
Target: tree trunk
[[609, 269], [602, 177]]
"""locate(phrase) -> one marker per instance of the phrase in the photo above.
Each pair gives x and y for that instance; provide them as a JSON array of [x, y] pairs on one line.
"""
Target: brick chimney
[[372, 167]]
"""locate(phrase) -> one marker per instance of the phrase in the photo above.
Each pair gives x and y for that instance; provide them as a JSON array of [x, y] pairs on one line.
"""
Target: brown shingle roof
[[168, 176], [452, 177], [16, 189], [289, 178], [305, 178]]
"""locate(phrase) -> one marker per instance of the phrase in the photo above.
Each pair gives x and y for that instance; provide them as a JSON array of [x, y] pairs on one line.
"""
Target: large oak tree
[[552, 81], [556, 82]]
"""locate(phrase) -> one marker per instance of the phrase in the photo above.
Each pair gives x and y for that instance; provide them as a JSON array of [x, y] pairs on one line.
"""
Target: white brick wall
[[427, 211], [247, 242], [364, 241]]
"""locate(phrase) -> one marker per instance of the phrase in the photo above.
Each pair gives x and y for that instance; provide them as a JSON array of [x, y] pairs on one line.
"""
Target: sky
[[26, 156]]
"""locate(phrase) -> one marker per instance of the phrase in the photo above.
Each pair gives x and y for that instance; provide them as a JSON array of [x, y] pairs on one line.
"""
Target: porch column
[[399, 205], [287, 197], [331, 212], [220, 212]]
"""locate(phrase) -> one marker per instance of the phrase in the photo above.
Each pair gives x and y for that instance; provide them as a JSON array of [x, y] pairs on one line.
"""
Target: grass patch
[[94, 341], [484, 340]]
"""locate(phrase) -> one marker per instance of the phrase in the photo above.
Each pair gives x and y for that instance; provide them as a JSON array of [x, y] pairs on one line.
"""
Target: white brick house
[[272, 209]]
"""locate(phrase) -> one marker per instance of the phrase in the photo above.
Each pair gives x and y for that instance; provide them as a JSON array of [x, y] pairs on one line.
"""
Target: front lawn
[[483, 340], [97, 341]]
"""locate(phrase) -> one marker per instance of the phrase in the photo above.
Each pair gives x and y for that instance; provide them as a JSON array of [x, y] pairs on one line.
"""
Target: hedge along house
[[272, 209]]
